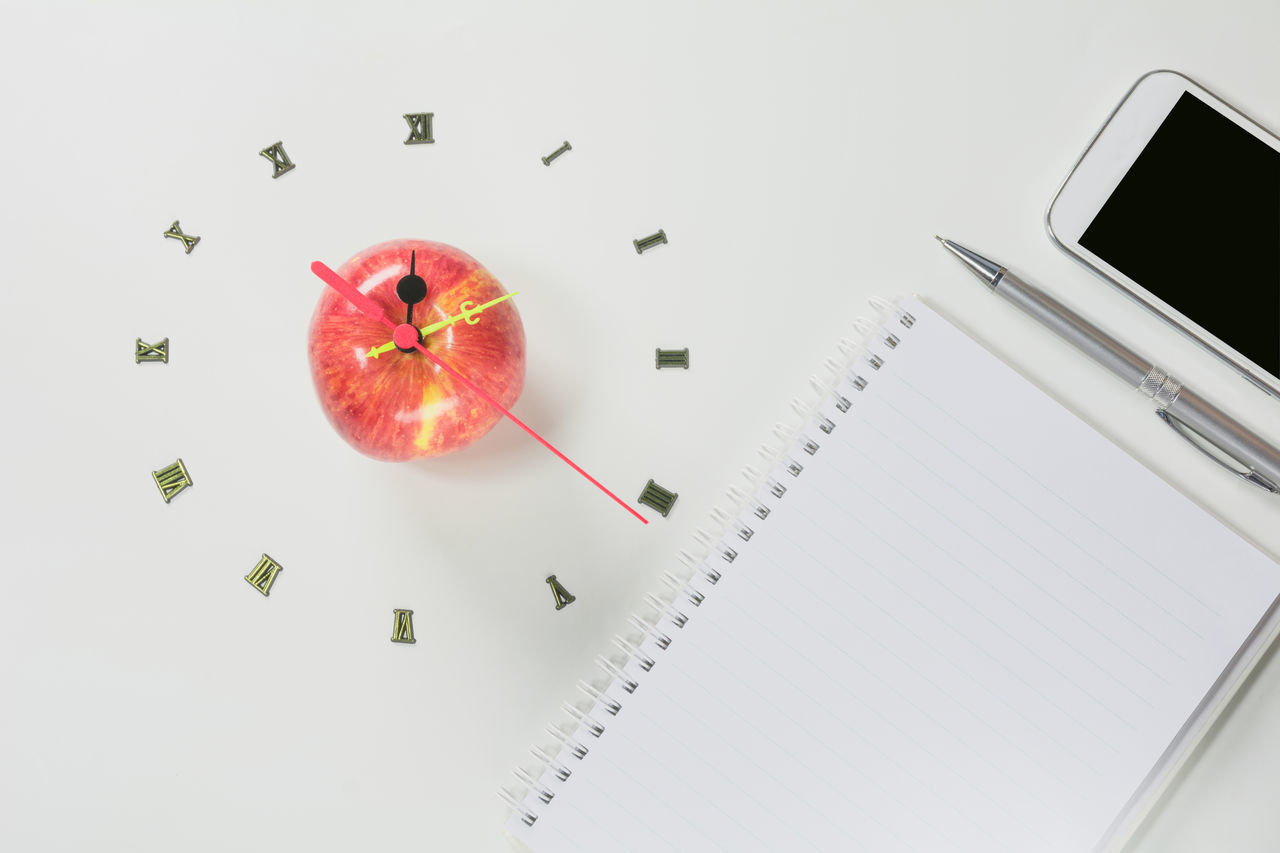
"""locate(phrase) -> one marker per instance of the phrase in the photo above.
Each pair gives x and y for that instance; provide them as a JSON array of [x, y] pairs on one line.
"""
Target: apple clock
[[387, 349], [436, 385]]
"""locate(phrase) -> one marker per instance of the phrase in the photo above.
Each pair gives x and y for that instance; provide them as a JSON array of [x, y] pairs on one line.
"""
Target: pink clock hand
[[371, 308], [352, 294]]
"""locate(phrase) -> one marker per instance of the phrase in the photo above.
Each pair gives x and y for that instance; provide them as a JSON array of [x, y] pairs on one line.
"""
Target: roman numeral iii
[[151, 352]]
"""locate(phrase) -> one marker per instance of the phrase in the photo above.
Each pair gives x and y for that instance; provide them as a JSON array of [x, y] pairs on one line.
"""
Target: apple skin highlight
[[399, 406]]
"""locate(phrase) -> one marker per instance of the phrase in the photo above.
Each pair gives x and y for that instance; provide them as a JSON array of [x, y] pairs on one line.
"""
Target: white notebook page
[[971, 623]]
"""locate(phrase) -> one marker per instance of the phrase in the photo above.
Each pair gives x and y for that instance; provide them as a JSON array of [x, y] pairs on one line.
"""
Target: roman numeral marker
[[280, 162], [172, 480], [563, 597], [402, 632], [657, 497], [546, 161], [264, 575], [175, 232], [419, 128], [151, 352], [672, 358], [649, 242]]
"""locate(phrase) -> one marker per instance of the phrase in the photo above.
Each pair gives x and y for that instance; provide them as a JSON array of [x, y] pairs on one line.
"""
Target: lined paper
[[971, 623]]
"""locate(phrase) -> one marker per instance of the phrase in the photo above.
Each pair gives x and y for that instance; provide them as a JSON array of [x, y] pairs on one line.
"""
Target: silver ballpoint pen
[[1206, 427]]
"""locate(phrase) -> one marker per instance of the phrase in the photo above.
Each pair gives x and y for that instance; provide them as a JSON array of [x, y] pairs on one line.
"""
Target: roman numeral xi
[[280, 162]]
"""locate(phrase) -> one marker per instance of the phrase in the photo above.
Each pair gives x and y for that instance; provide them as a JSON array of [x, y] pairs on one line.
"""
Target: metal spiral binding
[[885, 307], [628, 683], [562, 772], [610, 705], [594, 728], [527, 816], [576, 749], [659, 638], [544, 794], [760, 488], [674, 615], [683, 588], [646, 662]]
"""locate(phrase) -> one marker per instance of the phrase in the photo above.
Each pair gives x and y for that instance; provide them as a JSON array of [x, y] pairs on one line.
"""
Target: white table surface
[[799, 155]]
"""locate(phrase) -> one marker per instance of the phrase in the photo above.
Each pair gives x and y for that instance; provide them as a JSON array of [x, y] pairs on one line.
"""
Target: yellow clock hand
[[468, 313]]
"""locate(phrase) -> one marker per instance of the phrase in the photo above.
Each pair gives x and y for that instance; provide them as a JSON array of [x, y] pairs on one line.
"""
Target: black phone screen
[[1196, 221]]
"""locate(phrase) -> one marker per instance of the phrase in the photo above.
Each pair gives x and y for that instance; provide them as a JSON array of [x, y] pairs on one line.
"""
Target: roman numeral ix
[[151, 352]]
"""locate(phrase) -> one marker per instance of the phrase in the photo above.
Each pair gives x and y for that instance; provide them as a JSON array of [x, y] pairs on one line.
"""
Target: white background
[[799, 156]]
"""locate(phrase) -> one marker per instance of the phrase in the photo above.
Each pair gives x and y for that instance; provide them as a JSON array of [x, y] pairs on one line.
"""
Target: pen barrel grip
[[1206, 419], [1076, 330]]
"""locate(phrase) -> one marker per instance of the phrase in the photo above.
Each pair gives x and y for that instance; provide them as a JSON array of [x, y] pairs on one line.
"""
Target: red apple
[[398, 405]]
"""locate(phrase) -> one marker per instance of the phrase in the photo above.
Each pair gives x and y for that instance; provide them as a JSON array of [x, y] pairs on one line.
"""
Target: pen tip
[[939, 239]]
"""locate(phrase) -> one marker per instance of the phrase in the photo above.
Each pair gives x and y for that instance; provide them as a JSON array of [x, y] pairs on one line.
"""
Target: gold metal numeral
[[175, 232], [649, 242], [264, 575], [280, 162], [403, 629], [151, 352], [563, 597], [657, 497], [546, 161], [172, 480], [419, 128], [671, 358]]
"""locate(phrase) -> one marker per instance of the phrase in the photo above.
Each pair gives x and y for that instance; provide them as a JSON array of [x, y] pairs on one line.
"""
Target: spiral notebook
[[950, 616]]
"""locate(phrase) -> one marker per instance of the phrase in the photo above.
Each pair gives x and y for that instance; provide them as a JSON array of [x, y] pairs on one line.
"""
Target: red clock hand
[[352, 294], [371, 308]]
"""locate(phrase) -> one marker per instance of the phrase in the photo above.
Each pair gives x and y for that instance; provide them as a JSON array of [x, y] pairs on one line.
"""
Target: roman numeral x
[[175, 232]]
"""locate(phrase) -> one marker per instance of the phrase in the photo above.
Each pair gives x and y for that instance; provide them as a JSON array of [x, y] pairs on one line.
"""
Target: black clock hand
[[412, 288]]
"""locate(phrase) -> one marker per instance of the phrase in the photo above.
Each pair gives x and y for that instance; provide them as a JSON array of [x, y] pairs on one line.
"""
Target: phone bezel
[[1106, 160]]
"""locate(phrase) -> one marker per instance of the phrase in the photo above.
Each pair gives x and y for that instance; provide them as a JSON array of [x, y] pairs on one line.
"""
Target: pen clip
[[1202, 444]]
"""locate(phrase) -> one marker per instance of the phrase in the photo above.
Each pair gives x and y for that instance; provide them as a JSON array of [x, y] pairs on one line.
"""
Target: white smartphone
[[1177, 202]]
